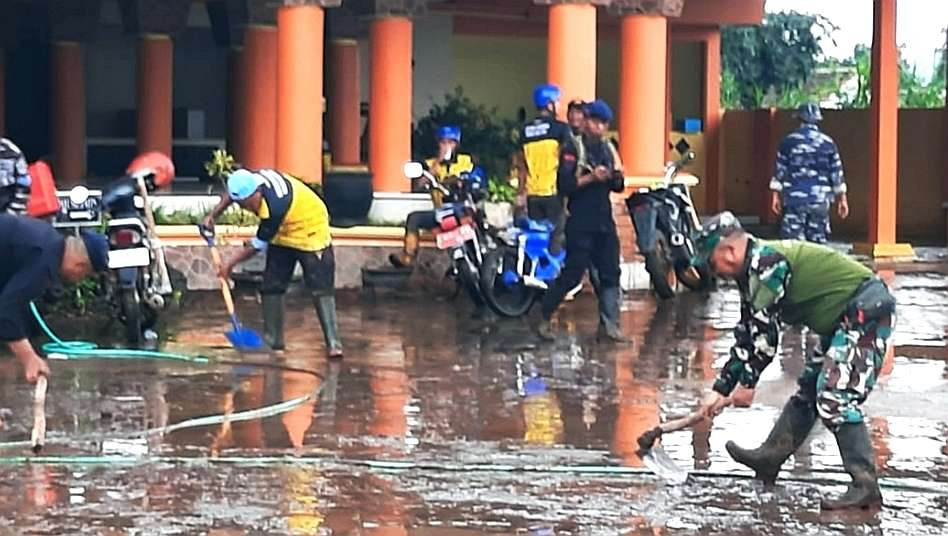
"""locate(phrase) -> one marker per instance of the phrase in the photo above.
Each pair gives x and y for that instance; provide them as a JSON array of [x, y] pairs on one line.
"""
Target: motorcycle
[[665, 220], [515, 273], [461, 230]]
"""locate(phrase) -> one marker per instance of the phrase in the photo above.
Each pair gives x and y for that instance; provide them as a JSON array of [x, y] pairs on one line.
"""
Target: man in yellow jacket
[[294, 227]]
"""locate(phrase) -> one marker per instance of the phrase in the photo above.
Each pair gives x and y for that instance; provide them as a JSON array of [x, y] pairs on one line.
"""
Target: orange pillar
[[344, 97], [642, 95], [155, 86], [299, 124], [571, 51], [257, 146], [67, 117], [884, 112], [714, 199], [390, 46]]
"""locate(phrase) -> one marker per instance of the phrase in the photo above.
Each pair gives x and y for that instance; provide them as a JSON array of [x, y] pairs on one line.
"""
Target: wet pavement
[[435, 424]]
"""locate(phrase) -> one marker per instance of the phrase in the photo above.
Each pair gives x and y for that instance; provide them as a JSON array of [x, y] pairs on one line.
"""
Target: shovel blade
[[245, 339], [664, 467]]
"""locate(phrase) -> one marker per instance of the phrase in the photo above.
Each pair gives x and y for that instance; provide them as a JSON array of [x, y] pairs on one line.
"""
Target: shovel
[[656, 459], [38, 436], [242, 338]]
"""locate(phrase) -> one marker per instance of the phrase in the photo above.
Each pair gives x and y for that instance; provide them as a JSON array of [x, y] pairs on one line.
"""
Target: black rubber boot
[[789, 432], [273, 321], [859, 461], [326, 311], [609, 299], [545, 329]]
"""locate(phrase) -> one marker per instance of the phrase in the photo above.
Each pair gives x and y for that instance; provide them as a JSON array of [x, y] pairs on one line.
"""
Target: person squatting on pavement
[[587, 174], [541, 140], [450, 167], [14, 179], [35, 258], [294, 227], [808, 177], [799, 283]]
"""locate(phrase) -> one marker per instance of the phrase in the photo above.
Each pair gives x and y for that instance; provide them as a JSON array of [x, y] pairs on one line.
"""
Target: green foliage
[[914, 91], [500, 191], [234, 216], [80, 298], [771, 62], [220, 165], [489, 139]]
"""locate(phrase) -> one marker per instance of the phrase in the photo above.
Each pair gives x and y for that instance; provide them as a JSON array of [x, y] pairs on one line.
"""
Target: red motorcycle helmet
[[155, 167]]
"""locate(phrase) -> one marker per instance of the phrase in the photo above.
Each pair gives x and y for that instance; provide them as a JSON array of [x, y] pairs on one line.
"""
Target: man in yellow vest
[[294, 227], [449, 166]]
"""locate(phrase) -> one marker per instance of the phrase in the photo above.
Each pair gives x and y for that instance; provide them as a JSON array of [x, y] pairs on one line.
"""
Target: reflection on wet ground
[[436, 424]]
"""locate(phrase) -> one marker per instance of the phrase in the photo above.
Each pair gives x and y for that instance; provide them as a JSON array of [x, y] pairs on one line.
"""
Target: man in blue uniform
[[35, 257], [808, 178]]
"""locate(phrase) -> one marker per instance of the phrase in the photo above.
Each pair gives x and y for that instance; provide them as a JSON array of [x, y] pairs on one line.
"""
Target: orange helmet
[[156, 168]]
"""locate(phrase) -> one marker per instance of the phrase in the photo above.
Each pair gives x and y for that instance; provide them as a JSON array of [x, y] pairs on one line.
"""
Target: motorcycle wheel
[[506, 301], [132, 316], [658, 267]]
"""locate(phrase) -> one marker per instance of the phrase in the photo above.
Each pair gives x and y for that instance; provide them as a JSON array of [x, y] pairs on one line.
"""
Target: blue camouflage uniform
[[809, 176]]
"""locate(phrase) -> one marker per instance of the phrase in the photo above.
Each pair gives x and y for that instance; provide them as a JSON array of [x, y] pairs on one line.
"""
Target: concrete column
[[344, 97], [390, 46], [155, 86], [884, 117], [67, 107], [235, 99], [711, 107], [257, 141], [642, 95], [571, 51], [299, 134]]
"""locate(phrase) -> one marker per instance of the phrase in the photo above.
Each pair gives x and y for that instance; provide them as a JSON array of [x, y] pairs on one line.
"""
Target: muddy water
[[482, 428]]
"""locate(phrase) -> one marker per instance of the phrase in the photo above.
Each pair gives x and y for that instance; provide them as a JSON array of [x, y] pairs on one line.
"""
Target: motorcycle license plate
[[455, 237], [126, 258]]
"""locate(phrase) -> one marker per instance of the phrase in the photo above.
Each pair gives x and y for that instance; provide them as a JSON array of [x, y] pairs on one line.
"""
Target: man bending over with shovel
[[294, 227], [800, 283]]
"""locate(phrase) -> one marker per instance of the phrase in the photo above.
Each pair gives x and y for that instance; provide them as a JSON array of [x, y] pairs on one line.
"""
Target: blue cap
[[598, 109], [450, 132], [545, 94], [97, 248], [242, 184]]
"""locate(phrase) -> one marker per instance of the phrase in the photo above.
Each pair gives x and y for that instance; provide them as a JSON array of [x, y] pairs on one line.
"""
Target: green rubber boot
[[858, 460], [273, 321], [789, 432], [326, 311]]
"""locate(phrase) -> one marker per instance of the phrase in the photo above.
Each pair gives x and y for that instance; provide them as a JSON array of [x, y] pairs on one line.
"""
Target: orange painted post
[[571, 51], [390, 46], [668, 88], [257, 147], [155, 83], [884, 112], [299, 124], [344, 97], [67, 112], [642, 95], [714, 199]]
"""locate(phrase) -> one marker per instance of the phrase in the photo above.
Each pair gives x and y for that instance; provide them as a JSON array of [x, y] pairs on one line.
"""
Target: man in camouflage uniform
[[14, 179], [809, 176], [799, 283]]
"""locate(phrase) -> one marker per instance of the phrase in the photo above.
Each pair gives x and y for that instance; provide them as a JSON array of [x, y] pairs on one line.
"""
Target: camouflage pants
[[805, 222], [842, 372]]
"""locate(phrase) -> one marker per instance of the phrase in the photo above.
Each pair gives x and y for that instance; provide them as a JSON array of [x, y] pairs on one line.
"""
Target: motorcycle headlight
[[78, 195]]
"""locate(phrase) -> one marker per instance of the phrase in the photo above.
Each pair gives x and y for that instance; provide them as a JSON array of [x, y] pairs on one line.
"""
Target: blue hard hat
[[810, 113], [242, 184], [450, 132], [97, 247], [544, 94], [476, 177], [598, 109]]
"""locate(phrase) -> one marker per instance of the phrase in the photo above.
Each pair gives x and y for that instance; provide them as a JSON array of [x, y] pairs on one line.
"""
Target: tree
[[914, 90], [773, 61]]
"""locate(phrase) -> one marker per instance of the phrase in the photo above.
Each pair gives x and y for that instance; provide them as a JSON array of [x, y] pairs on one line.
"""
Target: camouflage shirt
[[790, 281], [809, 170]]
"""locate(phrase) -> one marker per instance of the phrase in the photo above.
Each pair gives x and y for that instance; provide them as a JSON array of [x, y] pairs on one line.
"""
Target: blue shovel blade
[[244, 339]]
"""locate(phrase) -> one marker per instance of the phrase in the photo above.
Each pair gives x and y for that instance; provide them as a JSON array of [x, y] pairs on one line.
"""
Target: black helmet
[[810, 113]]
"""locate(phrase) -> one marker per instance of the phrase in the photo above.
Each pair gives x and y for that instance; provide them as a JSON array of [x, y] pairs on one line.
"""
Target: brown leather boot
[[409, 251]]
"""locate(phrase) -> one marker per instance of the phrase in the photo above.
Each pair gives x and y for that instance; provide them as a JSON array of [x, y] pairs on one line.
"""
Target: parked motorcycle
[[664, 218], [521, 268], [461, 230], [139, 284]]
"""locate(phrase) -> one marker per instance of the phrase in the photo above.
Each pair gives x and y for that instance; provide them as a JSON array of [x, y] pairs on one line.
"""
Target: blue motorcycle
[[516, 272]]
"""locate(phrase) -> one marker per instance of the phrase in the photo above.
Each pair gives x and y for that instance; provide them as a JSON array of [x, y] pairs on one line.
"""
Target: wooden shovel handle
[[225, 283]]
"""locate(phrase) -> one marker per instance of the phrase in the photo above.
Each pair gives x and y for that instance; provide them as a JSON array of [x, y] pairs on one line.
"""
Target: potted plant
[[347, 191], [499, 206]]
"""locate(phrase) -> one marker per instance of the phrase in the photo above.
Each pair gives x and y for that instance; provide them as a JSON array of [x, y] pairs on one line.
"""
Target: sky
[[920, 26]]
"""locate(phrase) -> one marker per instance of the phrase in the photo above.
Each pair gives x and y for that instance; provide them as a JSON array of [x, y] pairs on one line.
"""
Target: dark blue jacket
[[31, 252]]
